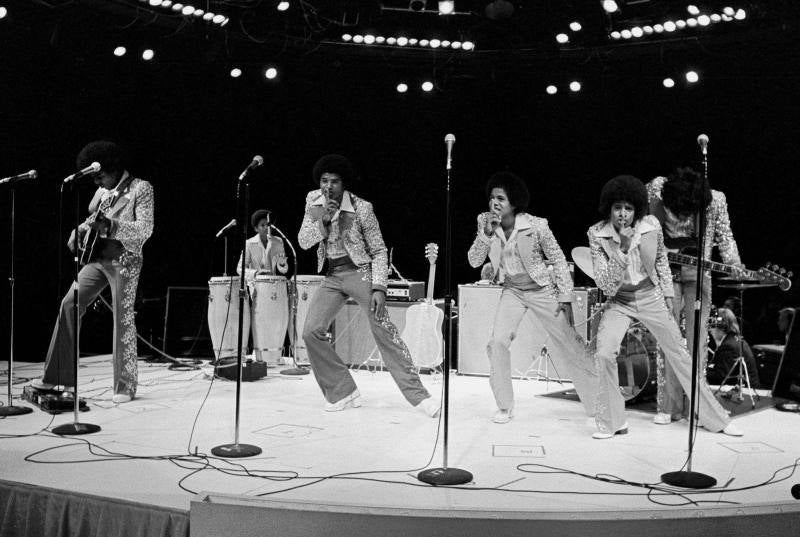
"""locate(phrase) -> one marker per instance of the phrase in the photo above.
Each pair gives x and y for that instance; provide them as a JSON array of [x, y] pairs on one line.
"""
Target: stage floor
[[382, 445]]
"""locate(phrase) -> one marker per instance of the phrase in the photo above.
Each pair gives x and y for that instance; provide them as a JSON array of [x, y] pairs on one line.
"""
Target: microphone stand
[[687, 478], [237, 450], [76, 427], [225, 260], [446, 475], [10, 409], [296, 370]]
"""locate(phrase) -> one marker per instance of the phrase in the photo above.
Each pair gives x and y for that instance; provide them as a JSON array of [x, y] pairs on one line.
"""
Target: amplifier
[[251, 370], [52, 401], [585, 310], [405, 291]]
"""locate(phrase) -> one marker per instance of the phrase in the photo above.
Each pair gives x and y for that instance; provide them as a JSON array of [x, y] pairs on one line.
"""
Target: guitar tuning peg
[[789, 274], [782, 271], [774, 268], [767, 264]]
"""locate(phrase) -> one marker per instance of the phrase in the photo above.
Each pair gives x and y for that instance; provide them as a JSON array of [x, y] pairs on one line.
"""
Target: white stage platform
[[353, 472]]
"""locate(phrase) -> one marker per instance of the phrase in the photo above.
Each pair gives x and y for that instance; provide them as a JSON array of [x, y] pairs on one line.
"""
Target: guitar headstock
[[776, 275], [432, 252]]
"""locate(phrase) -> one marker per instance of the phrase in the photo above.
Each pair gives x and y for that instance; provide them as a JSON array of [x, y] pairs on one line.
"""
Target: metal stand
[[297, 369], [742, 375], [687, 478], [539, 363], [10, 409], [76, 428], [237, 450], [447, 475]]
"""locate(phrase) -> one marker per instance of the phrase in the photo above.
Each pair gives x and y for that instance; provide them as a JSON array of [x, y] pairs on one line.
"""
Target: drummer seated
[[264, 254], [725, 331]]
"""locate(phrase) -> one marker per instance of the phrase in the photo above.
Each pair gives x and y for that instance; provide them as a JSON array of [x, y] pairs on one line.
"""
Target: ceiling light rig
[[190, 11], [407, 42], [698, 20]]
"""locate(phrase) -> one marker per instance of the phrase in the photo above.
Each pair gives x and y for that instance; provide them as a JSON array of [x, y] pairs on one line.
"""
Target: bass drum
[[223, 316], [637, 365]]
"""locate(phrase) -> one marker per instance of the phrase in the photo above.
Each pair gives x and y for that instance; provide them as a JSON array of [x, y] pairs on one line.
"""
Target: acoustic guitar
[[423, 330], [92, 245]]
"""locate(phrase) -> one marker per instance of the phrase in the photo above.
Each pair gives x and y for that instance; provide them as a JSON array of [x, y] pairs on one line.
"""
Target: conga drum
[[223, 316], [637, 364], [307, 286], [270, 316]]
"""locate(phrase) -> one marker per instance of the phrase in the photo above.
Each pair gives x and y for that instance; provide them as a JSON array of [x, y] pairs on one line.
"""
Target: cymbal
[[582, 256], [746, 285]]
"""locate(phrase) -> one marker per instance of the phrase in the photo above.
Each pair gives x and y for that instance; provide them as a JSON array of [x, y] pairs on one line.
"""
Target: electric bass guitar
[[678, 253], [423, 331]]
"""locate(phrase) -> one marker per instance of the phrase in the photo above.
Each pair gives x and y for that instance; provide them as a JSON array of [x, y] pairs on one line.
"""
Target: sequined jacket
[[718, 223], [131, 215], [609, 262], [361, 236], [535, 241]]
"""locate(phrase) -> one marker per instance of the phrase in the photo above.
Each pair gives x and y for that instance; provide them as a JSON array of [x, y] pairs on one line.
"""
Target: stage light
[[692, 77], [704, 20], [693, 9], [727, 18], [647, 29], [562, 38], [575, 86], [740, 15], [358, 38], [283, 6], [615, 35], [456, 45], [446, 7], [218, 19], [610, 6], [680, 24], [177, 6], [391, 41], [155, 3], [148, 54], [729, 11], [668, 83], [226, 21], [417, 5], [118, 52], [380, 40], [413, 41], [691, 22], [427, 86], [402, 87], [468, 45], [669, 26], [424, 42], [236, 72], [637, 32], [346, 37], [658, 28], [435, 43], [575, 26], [187, 10], [715, 17], [626, 34], [166, 3], [208, 16], [402, 41], [551, 90], [198, 12], [369, 39], [270, 73]]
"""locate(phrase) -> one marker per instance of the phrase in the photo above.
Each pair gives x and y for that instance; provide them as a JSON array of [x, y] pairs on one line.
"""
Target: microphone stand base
[[294, 371], [236, 451], [76, 428], [10, 410], [688, 480], [444, 476]]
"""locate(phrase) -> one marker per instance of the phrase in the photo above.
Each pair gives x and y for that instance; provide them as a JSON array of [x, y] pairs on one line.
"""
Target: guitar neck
[[691, 261], [431, 279]]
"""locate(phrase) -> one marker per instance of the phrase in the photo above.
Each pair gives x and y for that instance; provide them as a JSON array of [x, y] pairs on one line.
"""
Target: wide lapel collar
[[606, 236]]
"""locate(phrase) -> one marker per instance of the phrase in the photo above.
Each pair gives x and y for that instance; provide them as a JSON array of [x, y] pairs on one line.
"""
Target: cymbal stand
[[742, 375]]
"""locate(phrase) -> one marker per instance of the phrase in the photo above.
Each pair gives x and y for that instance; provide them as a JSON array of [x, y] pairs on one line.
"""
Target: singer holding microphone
[[517, 244], [631, 267], [674, 201], [350, 243], [122, 210]]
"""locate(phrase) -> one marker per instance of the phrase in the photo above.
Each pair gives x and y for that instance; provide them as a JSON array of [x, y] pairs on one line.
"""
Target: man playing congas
[[264, 254], [349, 241]]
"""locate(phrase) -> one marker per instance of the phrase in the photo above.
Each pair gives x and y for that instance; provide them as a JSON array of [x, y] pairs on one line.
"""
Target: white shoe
[[662, 418], [121, 398], [341, 404], [732, 430], [503, 416], [601, 435], [430, 406], [39, 384]]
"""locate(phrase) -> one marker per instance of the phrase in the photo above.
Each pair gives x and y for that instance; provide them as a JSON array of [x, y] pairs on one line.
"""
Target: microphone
[[21, 177], [702, 140], [228, 226], [449, 140], [94, 167], [257, 161]]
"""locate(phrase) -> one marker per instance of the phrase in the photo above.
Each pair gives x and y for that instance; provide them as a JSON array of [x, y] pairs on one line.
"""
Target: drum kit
[[267, 312]]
